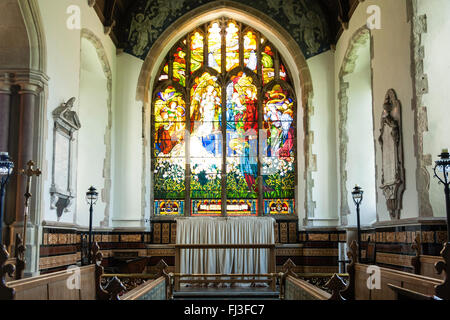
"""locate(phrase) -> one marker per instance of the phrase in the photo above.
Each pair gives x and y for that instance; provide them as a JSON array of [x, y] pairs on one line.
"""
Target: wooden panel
[[292, 232], [151, 290], [283, 232], [166, 233], [54, 286], [59, 290], [173, 233], [297, 289], [427, 268], [421, 284], [277, 233], [157, 233]]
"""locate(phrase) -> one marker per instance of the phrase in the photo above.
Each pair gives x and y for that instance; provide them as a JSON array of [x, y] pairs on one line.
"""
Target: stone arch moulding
[[420, 88], [292, 56], [106, 191], [358, 40]]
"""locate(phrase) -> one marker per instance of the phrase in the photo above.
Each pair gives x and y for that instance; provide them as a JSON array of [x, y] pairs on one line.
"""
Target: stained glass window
[[250, 53], [179, 66], [215, 47], [197, 49], [223, 137], [268, 66]]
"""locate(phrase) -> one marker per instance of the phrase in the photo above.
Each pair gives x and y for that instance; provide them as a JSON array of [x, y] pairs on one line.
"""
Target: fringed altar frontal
[[242, 230]]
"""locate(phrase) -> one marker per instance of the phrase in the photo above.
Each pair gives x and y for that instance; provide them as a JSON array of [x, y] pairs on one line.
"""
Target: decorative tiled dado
[[393, 244], [173, 233], [130, 238], [318, 237], [311, 252], [165, 233], [57, 261], [61, 248], [393, 259]]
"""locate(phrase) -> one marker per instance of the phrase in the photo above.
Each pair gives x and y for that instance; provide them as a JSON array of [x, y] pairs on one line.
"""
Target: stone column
[[5, 105], [25, 147], [28, 95]]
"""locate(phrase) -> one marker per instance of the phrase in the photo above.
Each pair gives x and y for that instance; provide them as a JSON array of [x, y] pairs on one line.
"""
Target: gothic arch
[[106, 191], [291, 54], [359, 39]]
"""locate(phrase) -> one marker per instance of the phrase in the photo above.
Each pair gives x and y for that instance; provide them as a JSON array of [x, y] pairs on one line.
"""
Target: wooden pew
[[394, 284], [76, 284], [150, 290], [293, 288], [155, 286], [405, 294], [57, 286]]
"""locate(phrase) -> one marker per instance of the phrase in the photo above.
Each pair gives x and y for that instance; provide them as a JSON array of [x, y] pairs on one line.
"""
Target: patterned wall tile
[[292, 232], [318, 237], [52, 238], [441, 236], [283, 232], [173, 233], [400, 237], [157, 233], [427, 237], [165, 233], [130, 238], [277, 233]]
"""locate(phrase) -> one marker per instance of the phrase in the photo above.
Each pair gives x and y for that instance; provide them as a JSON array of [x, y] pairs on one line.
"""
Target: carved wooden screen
[[224, 126]]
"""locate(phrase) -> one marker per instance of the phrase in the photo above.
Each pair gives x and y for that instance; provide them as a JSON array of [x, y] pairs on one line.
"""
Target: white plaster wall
[[360, 148], [391, 65], [93, 114], [128, 153], [437, 67], [63, 60], [323, 124]]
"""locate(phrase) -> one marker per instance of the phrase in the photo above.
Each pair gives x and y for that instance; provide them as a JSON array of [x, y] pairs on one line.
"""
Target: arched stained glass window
[[224, 126]]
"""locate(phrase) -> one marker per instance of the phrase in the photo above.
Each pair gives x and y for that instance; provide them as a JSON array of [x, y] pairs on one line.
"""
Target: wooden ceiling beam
[[110, 22]]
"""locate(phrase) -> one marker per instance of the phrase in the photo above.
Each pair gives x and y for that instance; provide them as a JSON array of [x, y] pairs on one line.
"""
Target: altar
[[248, 231]]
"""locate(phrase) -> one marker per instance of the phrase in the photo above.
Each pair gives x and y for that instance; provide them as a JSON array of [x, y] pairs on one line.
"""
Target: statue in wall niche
[[393, 171], [66, 123]]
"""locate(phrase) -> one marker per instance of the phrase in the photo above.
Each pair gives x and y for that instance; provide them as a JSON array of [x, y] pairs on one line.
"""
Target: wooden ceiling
[[113, 14]]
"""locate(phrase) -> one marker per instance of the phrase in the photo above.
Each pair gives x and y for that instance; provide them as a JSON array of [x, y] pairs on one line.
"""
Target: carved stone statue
[[393, 171]]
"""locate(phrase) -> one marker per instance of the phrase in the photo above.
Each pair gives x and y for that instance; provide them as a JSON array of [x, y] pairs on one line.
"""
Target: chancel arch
[[288, 51], [356, 128]]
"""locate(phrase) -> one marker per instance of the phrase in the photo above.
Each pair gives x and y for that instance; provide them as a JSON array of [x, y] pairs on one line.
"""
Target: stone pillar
[[25, 146], [28, 96], [5, 105]]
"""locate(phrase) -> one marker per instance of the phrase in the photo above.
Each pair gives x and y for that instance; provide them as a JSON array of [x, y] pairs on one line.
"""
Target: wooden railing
[[178, 247]]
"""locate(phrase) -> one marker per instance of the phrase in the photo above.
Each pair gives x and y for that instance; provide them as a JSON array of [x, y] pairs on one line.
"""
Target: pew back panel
[[427, 268], [150, 290], [297, 289], [54, 286], [417, 283]]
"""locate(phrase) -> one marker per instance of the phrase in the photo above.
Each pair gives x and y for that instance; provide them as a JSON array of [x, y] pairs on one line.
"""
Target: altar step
[[226, 294]]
